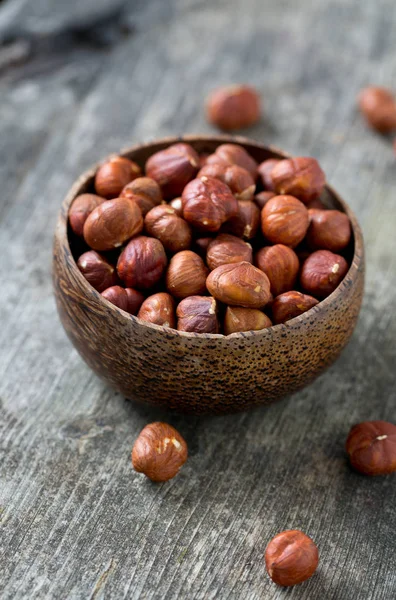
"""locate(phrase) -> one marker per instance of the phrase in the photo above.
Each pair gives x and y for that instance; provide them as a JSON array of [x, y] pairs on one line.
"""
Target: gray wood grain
[[76, 521]]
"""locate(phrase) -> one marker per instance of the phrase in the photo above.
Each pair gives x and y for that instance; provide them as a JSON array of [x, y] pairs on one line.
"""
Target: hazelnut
[[201, 245], [225, 249], [371, 447], [233, 107], [186, 275], [233, 154], [322, 272], [208, 203], [197, 314], [159, 309], [289, 305], [317, 203], [159, 452], [163, 223], [262, 198], [97, 270], [145, 192], [202, 159], [142, 263], [301, 177], [246, 222], [113, 176], [81, 208], [265, 170], [239, 284], [112, 223], [378, 106], [284, 220], [173, 168], [126, 299], [244, 319], [237, 178], [177, 206], [291, 557], [281, 265], [328, 230]]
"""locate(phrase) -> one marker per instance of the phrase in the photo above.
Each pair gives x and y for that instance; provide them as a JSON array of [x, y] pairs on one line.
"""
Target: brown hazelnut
[[112, 223], [244, 319], [159, 452], [301, 177], [328, 230], [159, 309], [291, 557], [126, 299], [322, 272], [284, 220], [177, 206], [262, 198], [371, 447], [81, 208], [225, 249], [317, 203], [281, 265], [238, 179], [203, 157], [289, 305], [265, 170], [197, 314], [97, 270], [233, 154], [239, 284], [142, 263], [145, 192], [208, 203], [246, 222], [113, 176], [163, 223], [173, 168], [186, 275], [233, 107], [378, 106], [201, 245]]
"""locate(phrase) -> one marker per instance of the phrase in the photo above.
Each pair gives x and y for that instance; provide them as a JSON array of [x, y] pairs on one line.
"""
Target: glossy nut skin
[[291, 557], [322, 272], [208, 203], [112, 223], [159, 452], [225, 249], [163, 223], [371, 447], [378, 105], [284, 220], [328, 230], [113, 175], [142, 263], [80, 210], [186, 275], [264, 170], [262, 198], [244, 319], [233, 107], [198, 314], [233, 154], [97, 270], [159, 309], [281, 265], [290, 305], [173, 168], [238, 179], [145, 192], [301, 177], [246, 222], [239, 284], [126, 299]]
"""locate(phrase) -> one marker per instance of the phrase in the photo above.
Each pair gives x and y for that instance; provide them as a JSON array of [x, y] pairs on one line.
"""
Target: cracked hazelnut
[[244, 319], [264, 170], [233, 154], [113, 175], [159, 309], [142, 263], [173, 168], [301, 177], [284, 220], [197, 314], [246, 222], [233, 107], [163, 223], [112, 223], [237, 178], [80, 210], [145, 192], [239, 284], [291, 304], [378, 106], [291, 557], [328, 230], [186, 275], [262, 198], [97, 270], [371, 447], [159, 452], [225, 249], [126, 299], [177, 206], [322, 272], [208, 203], [281, 265]]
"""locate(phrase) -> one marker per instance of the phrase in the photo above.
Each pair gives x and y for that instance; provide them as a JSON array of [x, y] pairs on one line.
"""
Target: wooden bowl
[[202, 373]]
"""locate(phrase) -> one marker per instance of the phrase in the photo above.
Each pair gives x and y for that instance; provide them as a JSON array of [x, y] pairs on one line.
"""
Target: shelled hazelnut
[[97, 270], [291, 304], [208, 203], [371, 447], [80, 210], [262, 198], [301, 177], [163, 223], [378, 106], [238, 179], [112, 223], [284, 220], [186, 275], [159, 309], [281, 265], [113, 176], [201, 244], [144, 191], [233, 154], [244, 319], [291, 557], [225, 249], [239, 284], [142, 263], [233, 107], [173, 168], [197, 314], [328, 230], [246, 222], [322, 272], [125, 298], [264, 170]]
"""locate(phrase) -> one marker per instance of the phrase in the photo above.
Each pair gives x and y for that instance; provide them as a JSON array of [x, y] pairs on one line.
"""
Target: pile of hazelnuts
[[211, 243]]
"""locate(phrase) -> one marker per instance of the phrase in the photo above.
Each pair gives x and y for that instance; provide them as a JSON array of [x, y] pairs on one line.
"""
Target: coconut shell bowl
[[202, 373]]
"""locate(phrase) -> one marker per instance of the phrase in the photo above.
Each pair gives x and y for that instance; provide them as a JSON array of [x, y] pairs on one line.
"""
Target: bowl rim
[[61, 232]]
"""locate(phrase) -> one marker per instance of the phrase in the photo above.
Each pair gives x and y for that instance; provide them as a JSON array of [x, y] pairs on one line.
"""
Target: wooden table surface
[[76, 521]]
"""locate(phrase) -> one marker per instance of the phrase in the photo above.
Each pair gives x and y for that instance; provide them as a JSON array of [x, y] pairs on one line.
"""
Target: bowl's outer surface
[[202, 373]]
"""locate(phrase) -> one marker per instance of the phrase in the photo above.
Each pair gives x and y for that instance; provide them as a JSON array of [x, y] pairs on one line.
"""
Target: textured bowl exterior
[[205, 373]]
